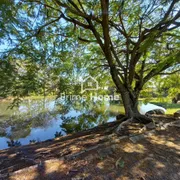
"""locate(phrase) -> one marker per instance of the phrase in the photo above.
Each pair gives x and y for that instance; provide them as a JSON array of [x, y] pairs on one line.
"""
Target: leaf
[[149, 41], [119, 163]]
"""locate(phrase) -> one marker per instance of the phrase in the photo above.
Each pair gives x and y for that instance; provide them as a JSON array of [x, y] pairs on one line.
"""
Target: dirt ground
[[98, 154]]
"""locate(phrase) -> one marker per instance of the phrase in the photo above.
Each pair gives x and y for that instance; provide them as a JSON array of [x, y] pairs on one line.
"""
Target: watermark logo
[[89, 83]]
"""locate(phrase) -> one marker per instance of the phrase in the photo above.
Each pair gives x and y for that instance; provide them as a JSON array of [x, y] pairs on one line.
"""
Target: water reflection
[[39, 120], [13, 143]]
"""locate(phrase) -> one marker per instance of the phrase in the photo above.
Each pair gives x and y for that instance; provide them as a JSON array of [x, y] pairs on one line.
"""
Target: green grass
[[171, 108], [172, 111], [163, 102]]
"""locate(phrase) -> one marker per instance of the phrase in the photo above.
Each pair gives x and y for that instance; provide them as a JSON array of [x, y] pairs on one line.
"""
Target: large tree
[[138, 39]]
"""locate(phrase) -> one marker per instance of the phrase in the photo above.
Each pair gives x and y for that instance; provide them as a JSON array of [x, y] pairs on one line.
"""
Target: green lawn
[[165, 103], [172, 111]]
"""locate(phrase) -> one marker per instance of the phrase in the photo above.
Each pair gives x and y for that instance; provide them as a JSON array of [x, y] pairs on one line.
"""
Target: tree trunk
[[129, 98], [130, 102]]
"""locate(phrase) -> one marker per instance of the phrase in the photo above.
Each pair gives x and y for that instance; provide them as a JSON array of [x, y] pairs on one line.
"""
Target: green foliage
[[149, 41], [57, 134], [50, 46], [172, 83]]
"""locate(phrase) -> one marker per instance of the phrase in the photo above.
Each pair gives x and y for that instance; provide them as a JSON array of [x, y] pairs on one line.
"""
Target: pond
[[37, 120]]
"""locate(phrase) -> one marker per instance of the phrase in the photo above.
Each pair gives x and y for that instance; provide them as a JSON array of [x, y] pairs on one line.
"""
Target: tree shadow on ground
[[73, 157]]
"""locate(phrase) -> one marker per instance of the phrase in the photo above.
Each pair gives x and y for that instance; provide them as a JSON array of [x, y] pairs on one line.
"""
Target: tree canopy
[[134, 40]]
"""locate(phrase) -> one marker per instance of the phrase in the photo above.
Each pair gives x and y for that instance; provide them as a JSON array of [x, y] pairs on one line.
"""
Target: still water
[[42, 119]]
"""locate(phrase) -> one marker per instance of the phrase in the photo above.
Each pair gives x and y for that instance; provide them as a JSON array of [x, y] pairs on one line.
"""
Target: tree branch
[[47, 24], [44, 4], [169, 73], [157, 70], [75, 22], [86, 40]]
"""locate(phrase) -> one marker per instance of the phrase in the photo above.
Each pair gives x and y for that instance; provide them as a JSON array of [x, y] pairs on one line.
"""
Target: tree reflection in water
[[13, 143], [91, 114], [72, 116]]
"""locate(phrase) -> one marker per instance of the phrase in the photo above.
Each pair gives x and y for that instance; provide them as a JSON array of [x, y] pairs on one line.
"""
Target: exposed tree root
[[138, 118], [121, 126]]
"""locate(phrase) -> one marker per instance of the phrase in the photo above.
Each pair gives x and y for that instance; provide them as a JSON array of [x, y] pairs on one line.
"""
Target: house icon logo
[[89, 83]]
